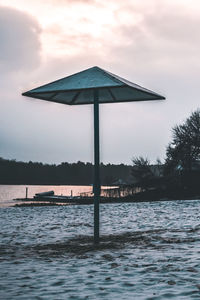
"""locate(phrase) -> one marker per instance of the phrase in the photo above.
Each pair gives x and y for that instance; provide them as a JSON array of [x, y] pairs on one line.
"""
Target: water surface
[[10, 192], [147, 251]]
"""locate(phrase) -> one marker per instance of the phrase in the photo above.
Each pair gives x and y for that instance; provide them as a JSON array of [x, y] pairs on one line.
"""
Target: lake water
[[10, 192], [147, 251]]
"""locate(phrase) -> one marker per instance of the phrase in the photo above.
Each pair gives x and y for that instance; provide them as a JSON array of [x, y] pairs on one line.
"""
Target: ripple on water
[[147, 251]]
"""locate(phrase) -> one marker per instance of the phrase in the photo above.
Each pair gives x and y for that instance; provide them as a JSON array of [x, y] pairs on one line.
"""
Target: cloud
[[64, 2], [160, 46], [149, 35], [20, 40], [148, 43]]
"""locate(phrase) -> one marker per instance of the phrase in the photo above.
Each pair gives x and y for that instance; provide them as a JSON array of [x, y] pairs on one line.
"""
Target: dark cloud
[[20, 43], [19, 55]]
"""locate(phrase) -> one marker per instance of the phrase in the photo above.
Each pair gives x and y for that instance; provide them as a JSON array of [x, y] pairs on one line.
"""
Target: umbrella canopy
[[93, 86], [79, 89]]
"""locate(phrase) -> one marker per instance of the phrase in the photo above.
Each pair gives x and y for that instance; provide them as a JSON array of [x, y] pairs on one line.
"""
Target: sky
[[154, 43]]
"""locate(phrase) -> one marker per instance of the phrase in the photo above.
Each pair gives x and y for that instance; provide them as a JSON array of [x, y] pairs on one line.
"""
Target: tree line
[[80, 173]]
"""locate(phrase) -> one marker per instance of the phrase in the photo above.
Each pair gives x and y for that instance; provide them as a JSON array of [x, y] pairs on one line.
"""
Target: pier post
[[26, 192]]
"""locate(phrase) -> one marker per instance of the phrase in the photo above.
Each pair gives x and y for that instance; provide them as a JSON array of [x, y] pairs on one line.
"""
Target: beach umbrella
[[93, 86]]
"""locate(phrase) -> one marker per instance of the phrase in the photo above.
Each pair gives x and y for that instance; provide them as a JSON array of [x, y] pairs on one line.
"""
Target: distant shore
[[31, 202]]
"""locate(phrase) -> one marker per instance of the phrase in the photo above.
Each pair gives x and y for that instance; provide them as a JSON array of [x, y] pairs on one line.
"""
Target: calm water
[[10, 192], [148, 251]]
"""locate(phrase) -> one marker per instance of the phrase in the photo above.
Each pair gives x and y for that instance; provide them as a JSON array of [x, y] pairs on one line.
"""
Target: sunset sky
[[154, 43]]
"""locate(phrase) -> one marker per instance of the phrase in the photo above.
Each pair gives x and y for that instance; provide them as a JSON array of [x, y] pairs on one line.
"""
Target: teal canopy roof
[[79, 89]]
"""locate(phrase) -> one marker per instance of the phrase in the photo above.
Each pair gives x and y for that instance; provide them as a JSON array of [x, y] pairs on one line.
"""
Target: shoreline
[[44, 184], [31, 202]]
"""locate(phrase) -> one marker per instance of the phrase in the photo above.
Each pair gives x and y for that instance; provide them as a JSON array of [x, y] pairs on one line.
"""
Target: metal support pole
[[96, 187]]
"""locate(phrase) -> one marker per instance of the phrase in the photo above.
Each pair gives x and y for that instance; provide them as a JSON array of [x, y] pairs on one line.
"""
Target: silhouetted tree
[[141, 172], [185, 146], [146, 175], [183, 154]]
